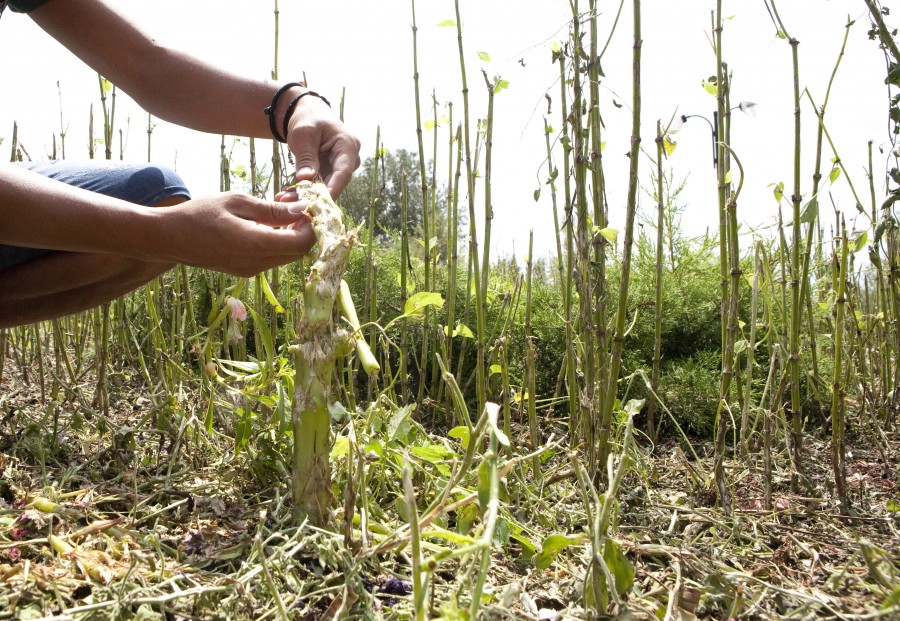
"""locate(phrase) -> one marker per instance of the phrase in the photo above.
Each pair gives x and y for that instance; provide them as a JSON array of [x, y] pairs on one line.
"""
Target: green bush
[[690, 389]]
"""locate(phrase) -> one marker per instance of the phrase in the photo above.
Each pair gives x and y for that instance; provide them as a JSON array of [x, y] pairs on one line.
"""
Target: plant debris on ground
[[104, 519]]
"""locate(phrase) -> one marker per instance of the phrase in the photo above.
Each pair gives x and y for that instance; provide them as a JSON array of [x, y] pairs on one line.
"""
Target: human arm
[[229, 232], [182, 89]]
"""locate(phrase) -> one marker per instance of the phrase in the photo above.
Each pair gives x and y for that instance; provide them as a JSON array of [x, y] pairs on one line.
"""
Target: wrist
[[285, 102]]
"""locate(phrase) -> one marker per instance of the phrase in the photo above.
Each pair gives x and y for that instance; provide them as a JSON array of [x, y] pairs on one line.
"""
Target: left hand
[[322, 145]]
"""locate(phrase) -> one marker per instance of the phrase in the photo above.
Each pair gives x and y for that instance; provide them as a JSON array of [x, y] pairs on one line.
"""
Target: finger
[[291, 242], [305, 142], [287, 196], [272, 213], [339, 178], [344, 160]]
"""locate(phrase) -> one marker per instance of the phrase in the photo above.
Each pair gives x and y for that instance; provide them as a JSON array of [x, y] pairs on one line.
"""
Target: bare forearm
[[42, 213], [171, 84]]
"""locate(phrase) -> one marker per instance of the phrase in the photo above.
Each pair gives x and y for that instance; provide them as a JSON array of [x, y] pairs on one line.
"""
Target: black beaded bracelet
[[270, 111], [290, 109]]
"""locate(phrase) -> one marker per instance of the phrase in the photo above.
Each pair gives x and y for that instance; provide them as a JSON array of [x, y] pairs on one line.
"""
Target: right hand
[[234, 233]]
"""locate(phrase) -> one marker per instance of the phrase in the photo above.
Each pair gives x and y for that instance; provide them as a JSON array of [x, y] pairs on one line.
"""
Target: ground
[[154, 517]]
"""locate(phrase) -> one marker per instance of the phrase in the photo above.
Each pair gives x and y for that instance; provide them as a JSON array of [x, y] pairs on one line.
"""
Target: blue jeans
[[142, 184]]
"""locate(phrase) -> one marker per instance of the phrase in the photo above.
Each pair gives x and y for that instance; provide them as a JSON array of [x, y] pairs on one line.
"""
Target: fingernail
[[297, 209], [305, 171]]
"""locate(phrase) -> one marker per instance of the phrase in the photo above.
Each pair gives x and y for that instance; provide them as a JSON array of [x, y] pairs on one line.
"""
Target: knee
[[156, 186]]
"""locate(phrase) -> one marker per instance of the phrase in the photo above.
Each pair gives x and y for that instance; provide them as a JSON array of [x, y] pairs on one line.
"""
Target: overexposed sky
[[366, 48]]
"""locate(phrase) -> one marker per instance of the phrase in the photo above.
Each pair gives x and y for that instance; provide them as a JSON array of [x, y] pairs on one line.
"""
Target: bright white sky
[[366, 47]]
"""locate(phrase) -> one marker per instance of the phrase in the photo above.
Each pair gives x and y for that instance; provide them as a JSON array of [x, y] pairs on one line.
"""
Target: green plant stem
[[318, 345], [615, 358], [480, 294], [837, 392]]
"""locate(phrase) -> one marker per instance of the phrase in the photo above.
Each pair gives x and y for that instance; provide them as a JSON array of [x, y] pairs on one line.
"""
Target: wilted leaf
[[552, 546], [669, 145], [619, 566], [493, 412]]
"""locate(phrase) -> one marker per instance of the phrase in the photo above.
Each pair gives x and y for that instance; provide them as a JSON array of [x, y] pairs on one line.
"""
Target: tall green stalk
[[615, 358], [426, 219], [838, 452], [796, 308], [480, 332], [568, 284], [657, 315], [584, 284]]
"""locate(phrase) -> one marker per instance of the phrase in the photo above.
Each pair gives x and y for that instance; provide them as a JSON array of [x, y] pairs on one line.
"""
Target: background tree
[[391, 169]]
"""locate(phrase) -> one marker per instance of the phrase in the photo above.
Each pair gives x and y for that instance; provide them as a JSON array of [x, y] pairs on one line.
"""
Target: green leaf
[[892, 600], [710, 88], [537, 195], [447, 22], [728, 177], [396, 430], [633, 406], [496, 368], [448, 535], [463, 331], [893, 505], [375, 448], [619, 566], [242, 429], [528, 548], [741, 346], [493, 412], [429, 124], [501, 85], [609, 234], [462, 434], [779, 191], [835, 173], [552, 546], [484, 486], [484, 56], [341, 447], [267, 291], [433, 453], [416, 305], [809, 213], [781, 34], [858, 240], [264, 334]]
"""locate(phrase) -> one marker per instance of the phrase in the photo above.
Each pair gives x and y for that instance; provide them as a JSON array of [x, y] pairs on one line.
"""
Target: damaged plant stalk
[[320, 340]]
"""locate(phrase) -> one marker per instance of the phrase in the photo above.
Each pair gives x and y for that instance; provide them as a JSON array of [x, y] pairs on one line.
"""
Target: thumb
[[278, 213], [307, 155]]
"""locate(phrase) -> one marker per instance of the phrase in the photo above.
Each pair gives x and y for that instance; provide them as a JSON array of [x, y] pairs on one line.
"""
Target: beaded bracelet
[[290, 109], [270, 110]]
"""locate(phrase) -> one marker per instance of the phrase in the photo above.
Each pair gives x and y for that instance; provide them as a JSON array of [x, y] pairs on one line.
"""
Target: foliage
[[394, 169]]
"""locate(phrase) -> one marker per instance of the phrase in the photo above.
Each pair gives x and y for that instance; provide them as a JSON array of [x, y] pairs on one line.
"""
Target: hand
[[233, 232], [322, 144]]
